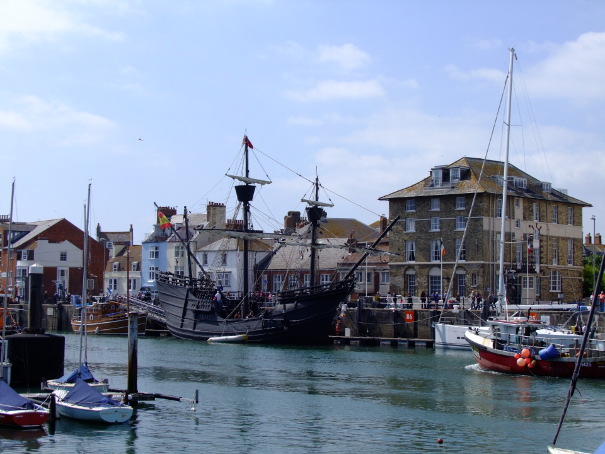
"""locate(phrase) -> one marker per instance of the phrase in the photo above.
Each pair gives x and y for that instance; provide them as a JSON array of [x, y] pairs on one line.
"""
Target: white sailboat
[[78, 399]]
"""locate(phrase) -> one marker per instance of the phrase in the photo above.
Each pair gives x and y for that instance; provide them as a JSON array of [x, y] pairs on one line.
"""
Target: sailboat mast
[[84, 278], [6, 284], [501, 286]]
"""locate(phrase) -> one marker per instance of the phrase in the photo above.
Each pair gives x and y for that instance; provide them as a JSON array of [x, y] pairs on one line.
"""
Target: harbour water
[[337, 399]]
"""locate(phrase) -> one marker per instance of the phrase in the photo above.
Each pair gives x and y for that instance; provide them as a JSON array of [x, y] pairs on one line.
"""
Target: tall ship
[[196, 308]]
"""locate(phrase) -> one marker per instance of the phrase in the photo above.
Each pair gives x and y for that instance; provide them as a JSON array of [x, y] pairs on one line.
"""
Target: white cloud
[[347, 56], [573, 71], [67, 125], [29, 21], [331, 89]]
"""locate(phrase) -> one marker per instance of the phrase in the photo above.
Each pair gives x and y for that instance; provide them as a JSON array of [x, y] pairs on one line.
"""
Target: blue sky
[[369, 95]]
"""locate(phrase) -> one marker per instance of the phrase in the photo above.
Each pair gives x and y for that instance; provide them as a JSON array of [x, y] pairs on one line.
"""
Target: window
[[179, 270], [325, 278], [134, 266], [460, 222], [278, 282], [435, 250], [517, 223], [455, 174], [555, 252], [307, 280], [528, 282], [292, 281], [410, 205], [570, 249], [63, 256], [223, 258], [21, 272], [224, 279], [25, 254], [152, 272], [385, 277], [132, 284], [536, 211], [154, 252], [435, 204], [460, 203], [570, 215], [113, 285], [461, 283], [435, 224], [462, 250], [499, 208], [519, 249], [204, 258], [410, 225], [555, 214], [115, 266], [410, 251], [179, 251], [555, 281], [434, 284], [474, 280], [411, 282], [437, 177], [359, 276]]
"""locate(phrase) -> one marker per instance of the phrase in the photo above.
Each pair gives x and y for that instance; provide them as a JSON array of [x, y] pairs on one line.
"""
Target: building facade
[[449, 235]]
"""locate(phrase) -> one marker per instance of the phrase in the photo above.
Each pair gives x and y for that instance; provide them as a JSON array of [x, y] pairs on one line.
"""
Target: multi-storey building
[[450, 228]]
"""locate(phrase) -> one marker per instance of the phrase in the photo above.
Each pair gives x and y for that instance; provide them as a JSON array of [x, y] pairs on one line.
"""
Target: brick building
[[56, 245], [543, 240]]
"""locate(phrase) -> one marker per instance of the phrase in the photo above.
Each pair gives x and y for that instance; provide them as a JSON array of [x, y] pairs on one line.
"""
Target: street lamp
[[594, 259]]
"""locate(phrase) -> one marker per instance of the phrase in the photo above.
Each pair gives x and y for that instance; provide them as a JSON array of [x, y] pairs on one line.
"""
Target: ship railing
[[571, 348]]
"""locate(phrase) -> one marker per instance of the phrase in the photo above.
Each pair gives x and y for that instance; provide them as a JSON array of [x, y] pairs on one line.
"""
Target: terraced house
[[449, 234]]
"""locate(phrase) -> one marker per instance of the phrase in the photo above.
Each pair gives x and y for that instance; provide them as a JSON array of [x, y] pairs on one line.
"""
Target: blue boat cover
[[11, 399], [85, 374], [85, 395]]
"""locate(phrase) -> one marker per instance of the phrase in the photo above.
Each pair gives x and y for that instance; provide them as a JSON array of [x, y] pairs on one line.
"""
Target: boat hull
[[504, 361], [25, 419], [110, 326], [110, 415], [452, 336], [302, 316]]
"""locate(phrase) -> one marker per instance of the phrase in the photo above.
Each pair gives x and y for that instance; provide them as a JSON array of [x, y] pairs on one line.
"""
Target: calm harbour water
[[341, 399]]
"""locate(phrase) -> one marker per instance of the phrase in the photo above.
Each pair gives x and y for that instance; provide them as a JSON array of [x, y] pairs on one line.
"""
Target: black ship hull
[[301, 316]]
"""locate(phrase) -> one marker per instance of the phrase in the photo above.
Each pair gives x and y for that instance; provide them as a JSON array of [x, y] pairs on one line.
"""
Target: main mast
[[501, 286]]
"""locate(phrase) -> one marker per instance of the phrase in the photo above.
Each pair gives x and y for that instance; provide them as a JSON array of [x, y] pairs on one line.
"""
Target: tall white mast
[[501, 287]]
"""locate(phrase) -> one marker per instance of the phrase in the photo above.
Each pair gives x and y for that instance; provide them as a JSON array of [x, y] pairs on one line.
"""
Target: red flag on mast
[[246, 141]]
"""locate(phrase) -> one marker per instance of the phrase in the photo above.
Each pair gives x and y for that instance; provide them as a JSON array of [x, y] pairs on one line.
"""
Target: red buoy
[[440, 440]]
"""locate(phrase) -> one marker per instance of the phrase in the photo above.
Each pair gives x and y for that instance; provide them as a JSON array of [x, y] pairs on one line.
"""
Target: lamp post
[[594, 259]]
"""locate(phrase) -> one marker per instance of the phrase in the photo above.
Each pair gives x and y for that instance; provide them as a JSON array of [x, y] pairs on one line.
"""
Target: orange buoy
[[517, 356], [521, 362], [525, 352]]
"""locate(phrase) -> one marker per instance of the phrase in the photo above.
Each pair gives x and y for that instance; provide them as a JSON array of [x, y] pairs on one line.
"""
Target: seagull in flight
[[140, 138]]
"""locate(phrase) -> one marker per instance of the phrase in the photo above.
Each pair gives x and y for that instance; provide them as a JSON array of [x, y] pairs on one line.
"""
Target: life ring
[[92, 317]]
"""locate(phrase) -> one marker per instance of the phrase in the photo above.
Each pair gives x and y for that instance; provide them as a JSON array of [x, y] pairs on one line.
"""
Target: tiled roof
[[486, 182]]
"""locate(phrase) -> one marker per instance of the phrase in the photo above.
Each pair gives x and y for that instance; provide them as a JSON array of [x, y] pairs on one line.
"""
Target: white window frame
[[410, 224], [570, 216], [435, 204], [460, 222], [410, 251], [460, 203], [555, 214], [154, 252], [410, 205], [555, 281], [435, 224]]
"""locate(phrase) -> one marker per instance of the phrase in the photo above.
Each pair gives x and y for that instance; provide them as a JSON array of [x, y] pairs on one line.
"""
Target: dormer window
[[437, 177], [546, 187], [455, 174]]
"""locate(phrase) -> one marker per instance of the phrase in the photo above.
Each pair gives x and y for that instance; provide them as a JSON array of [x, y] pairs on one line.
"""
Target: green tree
[[592, 265]]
